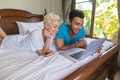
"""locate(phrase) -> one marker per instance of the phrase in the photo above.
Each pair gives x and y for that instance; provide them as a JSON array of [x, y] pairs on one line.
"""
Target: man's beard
[[72, 29]]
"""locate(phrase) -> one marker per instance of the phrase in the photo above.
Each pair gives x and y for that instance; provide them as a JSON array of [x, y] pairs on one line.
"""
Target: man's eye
[[77, 23]]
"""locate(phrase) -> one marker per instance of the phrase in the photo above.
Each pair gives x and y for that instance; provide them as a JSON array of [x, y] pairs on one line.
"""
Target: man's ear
[[69, 22]]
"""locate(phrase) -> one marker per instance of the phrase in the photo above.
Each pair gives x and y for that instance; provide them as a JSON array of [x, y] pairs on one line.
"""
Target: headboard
[[10, 16]]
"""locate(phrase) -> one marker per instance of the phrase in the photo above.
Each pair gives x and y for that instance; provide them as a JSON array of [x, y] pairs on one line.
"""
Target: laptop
[[77, 54]]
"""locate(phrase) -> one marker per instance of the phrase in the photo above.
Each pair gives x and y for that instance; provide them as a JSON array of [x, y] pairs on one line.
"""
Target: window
[[86, 7], [106, 19], [104, 12]]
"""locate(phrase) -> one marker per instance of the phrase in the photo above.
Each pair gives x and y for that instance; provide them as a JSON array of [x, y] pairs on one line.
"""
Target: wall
[[34, 6], [56, 7]]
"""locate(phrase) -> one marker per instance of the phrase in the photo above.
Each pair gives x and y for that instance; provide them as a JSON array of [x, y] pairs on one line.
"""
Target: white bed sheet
[[24, 65]]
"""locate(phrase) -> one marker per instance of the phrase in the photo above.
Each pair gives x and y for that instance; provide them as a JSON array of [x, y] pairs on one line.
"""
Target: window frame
[[92, 18]]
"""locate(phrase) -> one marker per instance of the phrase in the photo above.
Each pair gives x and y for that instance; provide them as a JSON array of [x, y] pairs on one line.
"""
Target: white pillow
[[26, 28]]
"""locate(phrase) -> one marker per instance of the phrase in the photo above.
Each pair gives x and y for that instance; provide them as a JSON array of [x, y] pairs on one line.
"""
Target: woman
[[39, 40]]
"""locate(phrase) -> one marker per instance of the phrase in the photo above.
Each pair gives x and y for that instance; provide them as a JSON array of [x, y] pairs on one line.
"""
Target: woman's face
[[53, 27], [76, 24]]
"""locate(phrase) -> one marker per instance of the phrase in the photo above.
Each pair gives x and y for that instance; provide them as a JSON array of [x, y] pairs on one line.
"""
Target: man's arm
[[60, 44]]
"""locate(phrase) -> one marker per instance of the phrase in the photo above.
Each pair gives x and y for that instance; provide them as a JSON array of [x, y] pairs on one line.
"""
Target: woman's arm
[[46, 46], [2, 33], [45, 51]]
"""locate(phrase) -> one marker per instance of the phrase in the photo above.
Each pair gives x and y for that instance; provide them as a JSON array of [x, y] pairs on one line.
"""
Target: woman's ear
[[46, 26]]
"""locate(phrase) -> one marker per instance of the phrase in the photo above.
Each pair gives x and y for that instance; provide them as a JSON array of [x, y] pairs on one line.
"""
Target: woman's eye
[[54, 26]]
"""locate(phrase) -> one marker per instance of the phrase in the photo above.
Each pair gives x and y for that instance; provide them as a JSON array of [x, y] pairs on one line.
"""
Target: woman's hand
[[47, 33], [40, 52], [48, 53]]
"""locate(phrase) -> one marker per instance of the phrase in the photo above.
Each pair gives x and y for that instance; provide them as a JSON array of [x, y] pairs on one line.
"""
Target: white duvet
[[24, 65]]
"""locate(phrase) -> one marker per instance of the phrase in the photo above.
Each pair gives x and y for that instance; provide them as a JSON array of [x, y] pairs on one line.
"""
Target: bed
[[98, 68]]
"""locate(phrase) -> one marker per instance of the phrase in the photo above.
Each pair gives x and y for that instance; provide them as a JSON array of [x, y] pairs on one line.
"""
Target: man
[[71, 35]]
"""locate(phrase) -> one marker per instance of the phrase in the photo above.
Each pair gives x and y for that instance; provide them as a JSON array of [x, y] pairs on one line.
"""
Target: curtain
[[66, 6], [118, 3]]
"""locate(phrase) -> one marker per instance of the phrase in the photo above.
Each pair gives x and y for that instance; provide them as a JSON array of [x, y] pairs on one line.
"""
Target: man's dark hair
[[75, 13]]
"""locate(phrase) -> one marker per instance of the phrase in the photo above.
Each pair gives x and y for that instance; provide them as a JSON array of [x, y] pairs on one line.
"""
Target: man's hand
[[81, 43], [99, 49]]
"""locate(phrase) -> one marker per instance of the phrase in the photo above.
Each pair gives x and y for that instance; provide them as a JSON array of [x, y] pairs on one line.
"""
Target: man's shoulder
[[64, 26], [82, 29]]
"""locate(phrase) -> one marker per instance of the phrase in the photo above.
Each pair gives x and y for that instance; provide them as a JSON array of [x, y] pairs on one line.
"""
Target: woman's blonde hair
[[51, 17]]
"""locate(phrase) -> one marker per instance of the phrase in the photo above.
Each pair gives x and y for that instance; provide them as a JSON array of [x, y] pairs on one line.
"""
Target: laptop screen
[[77, 55]]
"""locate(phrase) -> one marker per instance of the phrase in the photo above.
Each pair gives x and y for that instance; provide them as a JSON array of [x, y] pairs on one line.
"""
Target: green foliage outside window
[[106, 19], [87, 21]]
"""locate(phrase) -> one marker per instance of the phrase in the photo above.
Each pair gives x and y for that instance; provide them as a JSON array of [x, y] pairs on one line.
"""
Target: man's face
[[76, 24]]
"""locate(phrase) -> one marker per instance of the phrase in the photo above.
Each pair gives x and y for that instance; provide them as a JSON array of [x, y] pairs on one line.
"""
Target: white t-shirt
[[32, 42]]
